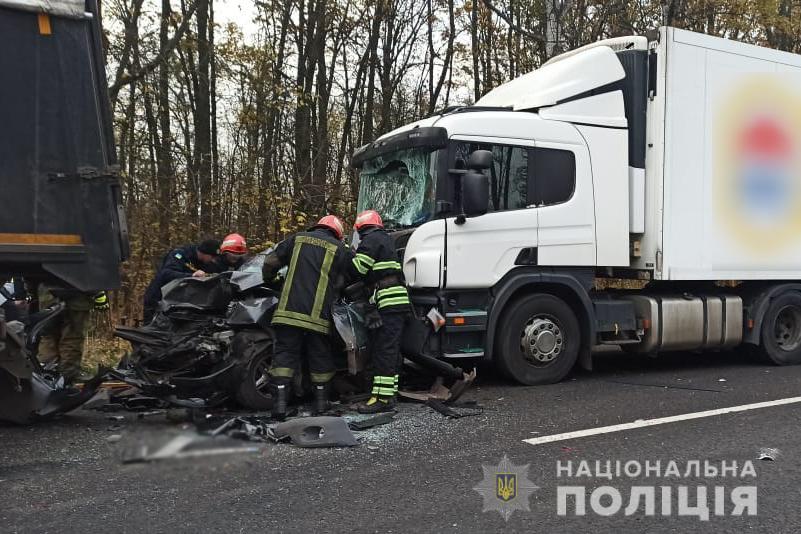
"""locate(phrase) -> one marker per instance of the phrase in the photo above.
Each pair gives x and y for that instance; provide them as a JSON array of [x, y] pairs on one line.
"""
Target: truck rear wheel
[[538, 341], [781, 330]]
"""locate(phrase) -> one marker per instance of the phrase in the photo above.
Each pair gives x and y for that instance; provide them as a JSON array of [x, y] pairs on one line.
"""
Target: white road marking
[[640, 423]]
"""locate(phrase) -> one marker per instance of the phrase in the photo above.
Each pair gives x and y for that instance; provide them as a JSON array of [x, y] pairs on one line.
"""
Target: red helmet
[[235, 244], [368, 218], [333, 223]]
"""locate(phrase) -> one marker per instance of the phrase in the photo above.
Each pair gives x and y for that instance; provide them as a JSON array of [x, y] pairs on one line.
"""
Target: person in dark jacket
[[192, 260], [376, 262], [317, 263]]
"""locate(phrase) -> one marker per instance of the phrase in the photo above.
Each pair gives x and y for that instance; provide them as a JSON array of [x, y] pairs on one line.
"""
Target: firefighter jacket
[[376, 261], [317, 263]]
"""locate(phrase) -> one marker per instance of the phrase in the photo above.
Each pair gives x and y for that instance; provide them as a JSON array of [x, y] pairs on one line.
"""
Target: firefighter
[[317, 263], [192, 260], [62, 342], [376, 261], [233, 252]]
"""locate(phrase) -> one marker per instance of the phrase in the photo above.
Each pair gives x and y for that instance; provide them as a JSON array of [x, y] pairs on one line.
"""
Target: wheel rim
[[787, 329], [541, 340]]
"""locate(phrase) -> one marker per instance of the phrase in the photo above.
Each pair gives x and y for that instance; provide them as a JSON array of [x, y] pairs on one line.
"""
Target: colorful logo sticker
[[758, 185]]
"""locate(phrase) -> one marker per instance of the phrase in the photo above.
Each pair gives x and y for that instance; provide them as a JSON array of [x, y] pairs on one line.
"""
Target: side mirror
[[475, 192], [480, 160]]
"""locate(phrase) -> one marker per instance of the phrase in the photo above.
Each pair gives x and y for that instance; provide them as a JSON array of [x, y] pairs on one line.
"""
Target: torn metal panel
[[28, 392], [26, 400]]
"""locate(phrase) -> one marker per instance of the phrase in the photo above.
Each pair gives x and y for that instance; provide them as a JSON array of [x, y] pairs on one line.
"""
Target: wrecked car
[[209, 342]]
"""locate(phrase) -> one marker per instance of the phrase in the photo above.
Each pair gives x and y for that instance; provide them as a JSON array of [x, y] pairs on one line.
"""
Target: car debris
[[371, 422], [768, 454], [455, 410], [29, 392], [323, 431], [185, 445]]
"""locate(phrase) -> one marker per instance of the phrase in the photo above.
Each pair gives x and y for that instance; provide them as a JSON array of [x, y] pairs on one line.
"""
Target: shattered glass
[[400, 186]]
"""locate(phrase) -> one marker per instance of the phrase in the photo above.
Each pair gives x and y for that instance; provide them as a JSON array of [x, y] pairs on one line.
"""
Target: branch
[[161, 57], [511, 23]]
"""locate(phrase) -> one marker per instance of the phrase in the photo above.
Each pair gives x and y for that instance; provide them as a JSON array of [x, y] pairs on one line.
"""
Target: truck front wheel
[[781, 330], [538, 340]]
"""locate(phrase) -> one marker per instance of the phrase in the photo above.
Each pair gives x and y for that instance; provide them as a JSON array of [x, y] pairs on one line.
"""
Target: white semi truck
[[673, 159]]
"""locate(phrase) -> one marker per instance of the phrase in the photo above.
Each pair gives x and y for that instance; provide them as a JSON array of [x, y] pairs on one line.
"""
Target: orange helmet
[[235, 244], [333, 223], [368, 218]]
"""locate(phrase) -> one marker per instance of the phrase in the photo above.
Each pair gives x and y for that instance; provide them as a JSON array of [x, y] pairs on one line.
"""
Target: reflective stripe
[[381, 265], [278, 319], [303, 317], [384, 380], [282, 372], [360, 267], [365, 259], [384, 392], [290, 275], [321, 378], [322, 283], [397, 301], [390, 291]]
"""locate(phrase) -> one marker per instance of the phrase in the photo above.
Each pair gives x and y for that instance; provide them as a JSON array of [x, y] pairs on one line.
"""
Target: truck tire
[[538, 341], [781, 330], [251, 392]]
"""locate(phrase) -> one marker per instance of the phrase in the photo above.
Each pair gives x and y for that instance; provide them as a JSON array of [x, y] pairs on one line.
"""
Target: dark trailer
[[61, 215]]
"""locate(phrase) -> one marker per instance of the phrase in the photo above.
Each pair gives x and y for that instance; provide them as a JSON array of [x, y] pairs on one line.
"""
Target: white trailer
[[671, 158]]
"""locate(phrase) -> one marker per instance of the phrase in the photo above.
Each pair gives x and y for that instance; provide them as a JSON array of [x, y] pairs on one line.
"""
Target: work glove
[[101, 301]]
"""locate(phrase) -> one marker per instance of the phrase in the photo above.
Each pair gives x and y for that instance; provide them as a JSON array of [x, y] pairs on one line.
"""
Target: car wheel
[[539, 340], [252, 390]]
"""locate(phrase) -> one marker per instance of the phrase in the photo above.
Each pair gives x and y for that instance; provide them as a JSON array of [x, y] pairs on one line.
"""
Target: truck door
[[561, 188], [483, 249]]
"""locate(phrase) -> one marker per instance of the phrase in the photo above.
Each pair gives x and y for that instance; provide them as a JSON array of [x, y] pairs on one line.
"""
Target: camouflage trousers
[[62, 342]]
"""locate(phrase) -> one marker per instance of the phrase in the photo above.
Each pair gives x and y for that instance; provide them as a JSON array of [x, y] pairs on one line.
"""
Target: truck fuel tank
[[688, 322]]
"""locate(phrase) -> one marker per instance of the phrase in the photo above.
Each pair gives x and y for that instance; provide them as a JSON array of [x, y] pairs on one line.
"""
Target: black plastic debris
[[366, 424], [455, 410], [314, 432]]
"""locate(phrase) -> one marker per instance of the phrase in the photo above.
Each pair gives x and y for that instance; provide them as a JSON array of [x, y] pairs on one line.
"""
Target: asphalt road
[[417, 474]]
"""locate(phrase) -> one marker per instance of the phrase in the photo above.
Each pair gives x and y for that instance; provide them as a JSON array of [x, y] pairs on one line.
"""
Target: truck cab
[[575, 191]]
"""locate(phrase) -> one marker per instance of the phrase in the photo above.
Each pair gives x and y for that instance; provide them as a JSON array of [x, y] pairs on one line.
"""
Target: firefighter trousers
[[385, 352], [291, 344]]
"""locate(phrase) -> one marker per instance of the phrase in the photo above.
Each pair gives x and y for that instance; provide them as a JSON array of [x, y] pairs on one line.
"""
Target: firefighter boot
[[320, 399], [377, 404], [279, 393]]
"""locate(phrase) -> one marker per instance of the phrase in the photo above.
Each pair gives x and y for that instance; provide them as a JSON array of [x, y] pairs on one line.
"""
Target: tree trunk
[[164, 150], [203, 116]]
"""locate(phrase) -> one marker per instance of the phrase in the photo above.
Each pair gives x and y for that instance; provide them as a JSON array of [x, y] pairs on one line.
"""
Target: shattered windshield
[[256, 263], [400, 186]]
